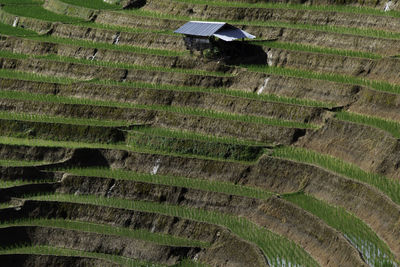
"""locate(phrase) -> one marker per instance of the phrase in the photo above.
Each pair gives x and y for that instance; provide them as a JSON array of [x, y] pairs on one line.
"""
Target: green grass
[[5, 205], [338, 78], [316, 49], [392, 127], [158, 238], [182, 134], [109, 64], [20, 163], [108, 46], [388, 186], [373, 249], [10, 74], [21, 2], [38, 12], [18, 75], [195, 183], [6, 184], [181, 110], [314, 7], [7, 140], [274, 246], [6, 29], [95, 4], [280, 24], [50, 143], [63, 120], [47, 250]]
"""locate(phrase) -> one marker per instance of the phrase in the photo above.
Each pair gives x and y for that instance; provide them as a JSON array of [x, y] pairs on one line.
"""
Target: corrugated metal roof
[[200, 28], [231, 34], [221, 30]]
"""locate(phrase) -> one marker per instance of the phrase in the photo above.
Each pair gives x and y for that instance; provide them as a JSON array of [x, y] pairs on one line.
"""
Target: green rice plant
[[316, 49], [5, 205], [184, 134], [373, 249], [95, 4], [6, 184], [64, 120], [268, 23], [224, 91], [388, 186], [274, 246], [187, 146], [10, 74], [7, 140], [7, 54], [38, 12], [393, 127], [142, 234], [108, 46], [313, 7], [21, 2], [6, 29], [20, 163], [175, 109], [156, 33], [57, 251], [195, 183], [50, 143], [338, 78]]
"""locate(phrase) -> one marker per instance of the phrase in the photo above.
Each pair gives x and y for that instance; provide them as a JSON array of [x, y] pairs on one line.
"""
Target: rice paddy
[[201, 136], [195, 183], [272, 245]]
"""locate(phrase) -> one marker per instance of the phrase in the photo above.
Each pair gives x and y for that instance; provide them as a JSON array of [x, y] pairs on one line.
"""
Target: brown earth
[[222, 241]]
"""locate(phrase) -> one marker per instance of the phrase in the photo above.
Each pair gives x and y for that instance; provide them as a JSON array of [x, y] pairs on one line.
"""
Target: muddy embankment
[[41, 181], [222, 251], [247, 81], [356, 98], [386, 47], [368, 3], [145, 96], [263, 213], [334, 40], [277, 175], [120, 135], [27, 260], [56, 29], [328, 18], [385, 69], [93, 242], [27, 46], [225, 13], [372, 149], [172, 120], [62, 131]]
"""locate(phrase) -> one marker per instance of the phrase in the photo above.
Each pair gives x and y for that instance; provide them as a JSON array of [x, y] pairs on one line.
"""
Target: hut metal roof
[[221, 30]]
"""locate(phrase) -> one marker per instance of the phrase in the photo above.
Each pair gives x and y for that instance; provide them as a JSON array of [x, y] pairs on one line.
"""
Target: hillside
[[118, 147]]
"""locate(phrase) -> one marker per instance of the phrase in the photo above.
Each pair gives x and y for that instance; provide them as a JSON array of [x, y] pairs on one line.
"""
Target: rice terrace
[[199, 133]]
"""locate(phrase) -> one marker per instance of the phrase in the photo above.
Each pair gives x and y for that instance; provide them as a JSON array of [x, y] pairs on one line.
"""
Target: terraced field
[[120, 148]]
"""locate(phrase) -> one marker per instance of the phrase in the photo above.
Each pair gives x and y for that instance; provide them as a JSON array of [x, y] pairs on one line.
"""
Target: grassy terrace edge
[[274, 246]]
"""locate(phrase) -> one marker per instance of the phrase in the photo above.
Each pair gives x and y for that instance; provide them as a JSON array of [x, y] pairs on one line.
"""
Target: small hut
[[199, 35]]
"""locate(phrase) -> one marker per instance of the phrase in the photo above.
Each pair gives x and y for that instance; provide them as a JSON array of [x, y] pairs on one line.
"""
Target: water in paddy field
[[372, 255]]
